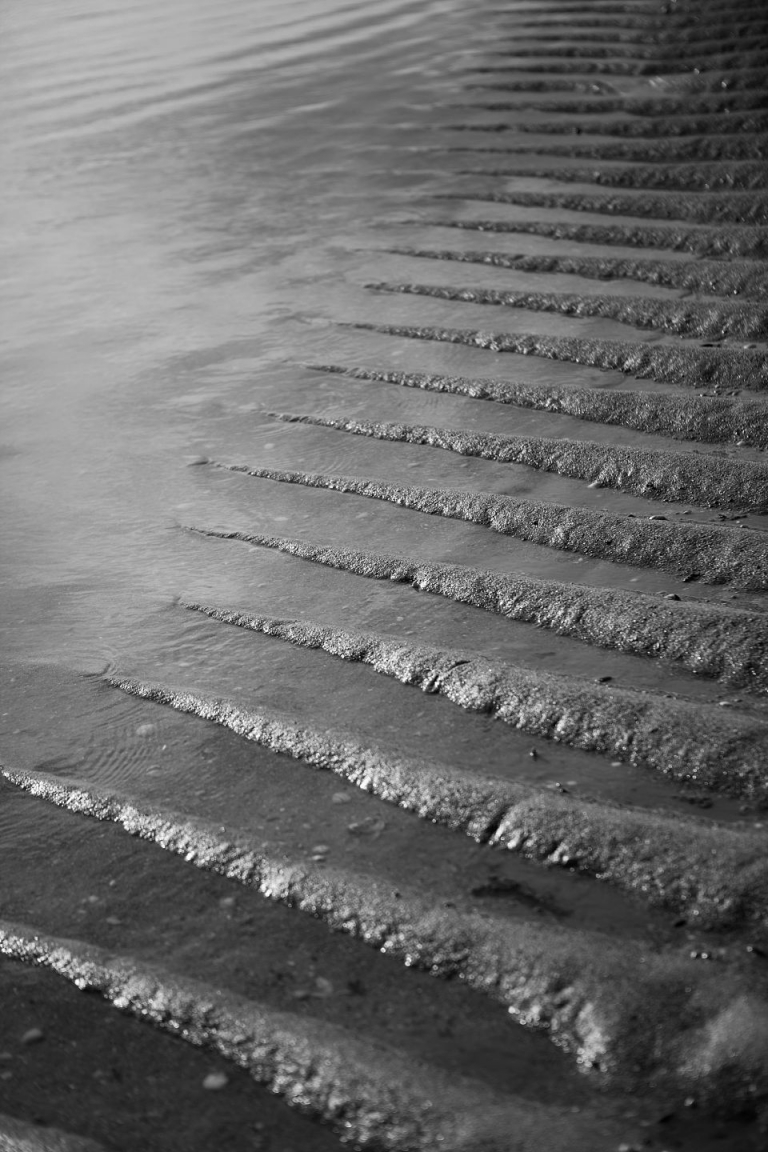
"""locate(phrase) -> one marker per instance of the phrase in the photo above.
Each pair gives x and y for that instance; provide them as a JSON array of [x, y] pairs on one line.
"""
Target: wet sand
[[382, 759]]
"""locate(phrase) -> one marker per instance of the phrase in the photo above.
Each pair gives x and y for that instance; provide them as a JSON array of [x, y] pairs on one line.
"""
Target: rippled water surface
[[194, 199], [187, 190], [186, 187], [194, 195]]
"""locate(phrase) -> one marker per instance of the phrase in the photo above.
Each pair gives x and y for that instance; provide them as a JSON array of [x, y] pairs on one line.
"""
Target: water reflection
[[177, 198]]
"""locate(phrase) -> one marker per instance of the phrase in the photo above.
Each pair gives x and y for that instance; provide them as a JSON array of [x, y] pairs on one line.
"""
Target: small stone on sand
[[215, 1081]]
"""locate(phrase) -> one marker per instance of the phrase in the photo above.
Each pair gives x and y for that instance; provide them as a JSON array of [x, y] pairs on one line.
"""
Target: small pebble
[[32, 1036], [657, 517], [215, 1081], [533, 754], [146, 729], [603, 679], [367, 827], [671, 596], [321, 849]]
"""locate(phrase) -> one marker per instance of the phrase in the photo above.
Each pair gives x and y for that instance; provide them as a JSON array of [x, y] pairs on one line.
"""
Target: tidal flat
[[383, 688]]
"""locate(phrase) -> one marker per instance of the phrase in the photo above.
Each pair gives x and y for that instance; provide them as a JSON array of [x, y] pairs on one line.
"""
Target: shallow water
[[195, 197], [193, 193], [181, 186]]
